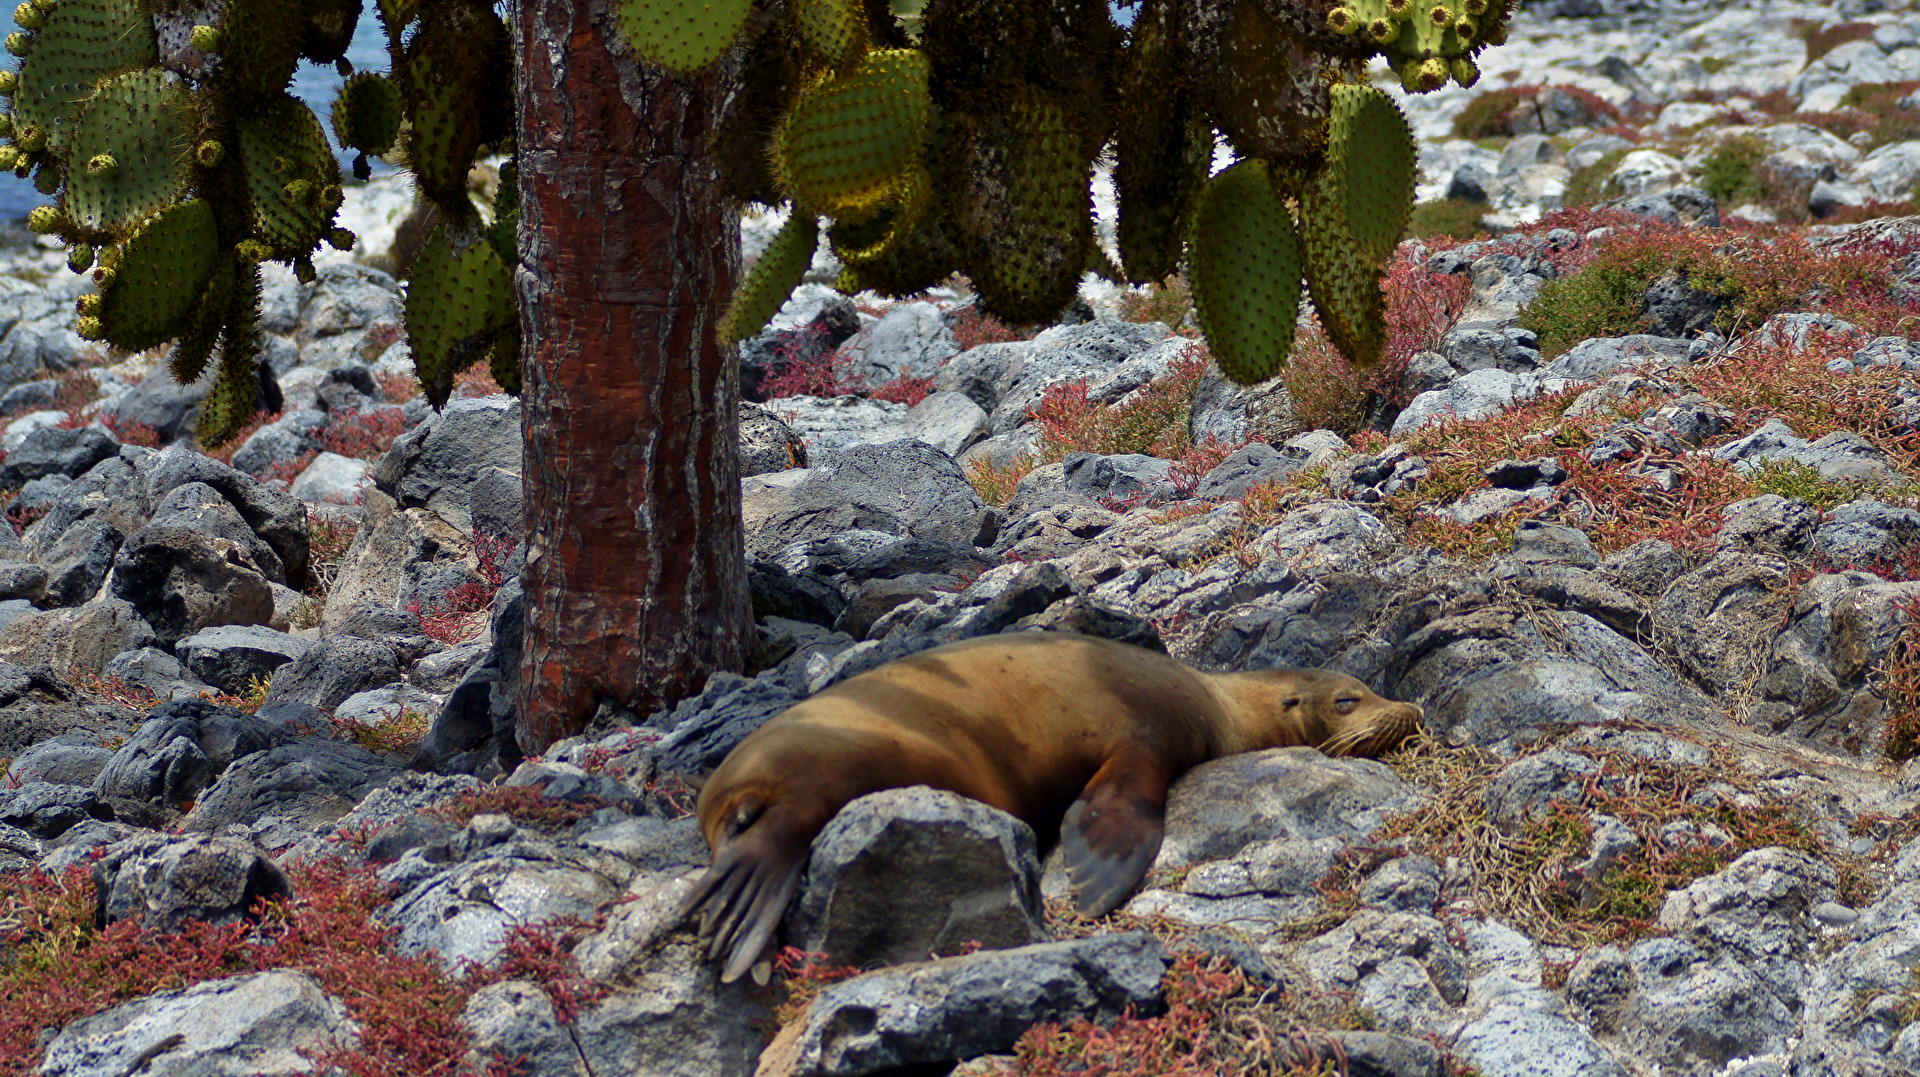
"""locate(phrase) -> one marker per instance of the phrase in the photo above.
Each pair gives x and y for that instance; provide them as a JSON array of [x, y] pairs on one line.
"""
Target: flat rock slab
[[963, 1007], [246, 1026]]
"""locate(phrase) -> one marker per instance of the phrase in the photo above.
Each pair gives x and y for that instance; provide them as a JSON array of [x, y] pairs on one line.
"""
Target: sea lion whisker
[[767, 912], [728, 933]]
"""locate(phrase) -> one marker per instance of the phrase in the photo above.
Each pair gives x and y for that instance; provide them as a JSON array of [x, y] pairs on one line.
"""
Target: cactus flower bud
[[9, 82], [299, 190], [102, 276], [30, 138], [253, 250], [47, 180], [1381, 31], [80, 258], [19, 42], [8, 158], [303, 271], [341, 239], [1440, 16], [1476, 7], [89, 305], [1400, 9], [29, 17], [102, 164], [208, 153], [90, 329], [1342, 20], [44, 219], [1464, 71], [205, 38]]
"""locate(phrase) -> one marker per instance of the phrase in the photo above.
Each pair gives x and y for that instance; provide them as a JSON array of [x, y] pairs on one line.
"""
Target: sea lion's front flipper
[[1112, 833], [743, 897]]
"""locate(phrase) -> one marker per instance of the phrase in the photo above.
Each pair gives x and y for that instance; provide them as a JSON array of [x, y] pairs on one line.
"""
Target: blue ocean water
[[312, 83]]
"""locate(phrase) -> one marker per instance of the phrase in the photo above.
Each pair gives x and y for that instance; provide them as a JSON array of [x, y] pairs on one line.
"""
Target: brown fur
[[1078, 736]]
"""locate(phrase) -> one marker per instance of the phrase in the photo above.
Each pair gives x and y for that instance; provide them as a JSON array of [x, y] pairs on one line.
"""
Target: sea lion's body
[[1078, 736]]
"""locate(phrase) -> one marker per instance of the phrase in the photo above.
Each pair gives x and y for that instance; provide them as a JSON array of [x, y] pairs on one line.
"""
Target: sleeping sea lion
[[1077, 736]]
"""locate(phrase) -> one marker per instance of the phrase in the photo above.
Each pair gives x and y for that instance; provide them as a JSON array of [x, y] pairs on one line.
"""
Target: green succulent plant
[[964, 141], [173, 180]]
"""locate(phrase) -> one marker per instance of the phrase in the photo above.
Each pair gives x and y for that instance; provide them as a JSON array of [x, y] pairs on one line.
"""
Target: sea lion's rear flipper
[[1112, 833], [743, 897]]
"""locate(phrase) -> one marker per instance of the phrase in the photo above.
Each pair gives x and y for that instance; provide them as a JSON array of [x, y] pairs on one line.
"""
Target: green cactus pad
[[329, 29], [772, 279], [835, 29], [1245, 265], [83, 42], [235, 394], [202, 329], [280, 143], [858, 242], [455, 71], [134, 135], [1021, 206], [367, 113], [682, 35], [260, 46], [1164, 147], [1344, 282], [908, 263], [504, 232], [1371, 161], [1264, 88], [457, 303], [849, 142], [159, 274], [744, 131]]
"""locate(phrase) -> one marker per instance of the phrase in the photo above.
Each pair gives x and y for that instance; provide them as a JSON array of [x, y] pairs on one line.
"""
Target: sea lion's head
[[1318, 709]]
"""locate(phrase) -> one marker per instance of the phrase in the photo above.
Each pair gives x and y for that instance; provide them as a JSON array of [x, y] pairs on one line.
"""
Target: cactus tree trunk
[[636, 577]]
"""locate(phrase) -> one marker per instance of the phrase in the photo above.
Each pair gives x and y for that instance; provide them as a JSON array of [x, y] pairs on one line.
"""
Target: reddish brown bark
[[636, 577]]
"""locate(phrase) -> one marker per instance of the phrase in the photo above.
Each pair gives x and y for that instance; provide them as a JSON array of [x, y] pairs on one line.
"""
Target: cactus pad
[[1164, 147], [849, 142], [280, 145], [682, 35], [235, 394], [772, 279], [83, 41], [455, 70], [203, 325], [366, 115], [260, 45], [134, 135], [1371, 162], [159, 275], [1245, 266], [1021, 207], [1344, 282], [457, 303], [835, 29]]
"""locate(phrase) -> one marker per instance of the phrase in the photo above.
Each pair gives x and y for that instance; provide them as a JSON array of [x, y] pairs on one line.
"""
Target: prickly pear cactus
[[178, 162], [963, 139]]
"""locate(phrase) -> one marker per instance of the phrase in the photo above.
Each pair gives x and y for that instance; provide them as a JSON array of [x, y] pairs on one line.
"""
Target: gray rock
[[905, 874], [48, 810], [307, 783], [78, 563], [1862, 532], [149, 668], [1520, 1041], [1223, 806], [195, 506], [275, 516], [950, 422], [231, 657], [339, 666], [345, 298], [1600, 357], [1231, 413], [282, 441], [1246, 468], [1475, 395], [1526, 788], [22, 579], [266, 1024], [436, 465], [179, 751], [332, 479], [1409, 884], [66, 759], [901, 487], [86, 636], [164, 881], [766, 443], [1692, 1013], [56, 451], [110, 493], [967, 1006], [1327, 536], [1719, 613], [1674, 308], [1130, 477], [911, 340], [180, 581]]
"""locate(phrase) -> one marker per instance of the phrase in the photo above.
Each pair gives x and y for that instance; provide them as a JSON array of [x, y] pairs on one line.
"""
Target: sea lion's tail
[[743, 897]]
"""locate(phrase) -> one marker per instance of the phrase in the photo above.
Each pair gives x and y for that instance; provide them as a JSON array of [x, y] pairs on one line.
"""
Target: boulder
[[180, 581], [901, 487]]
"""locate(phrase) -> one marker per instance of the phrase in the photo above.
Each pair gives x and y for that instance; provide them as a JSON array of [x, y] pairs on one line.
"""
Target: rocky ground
[[1632, 508]]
